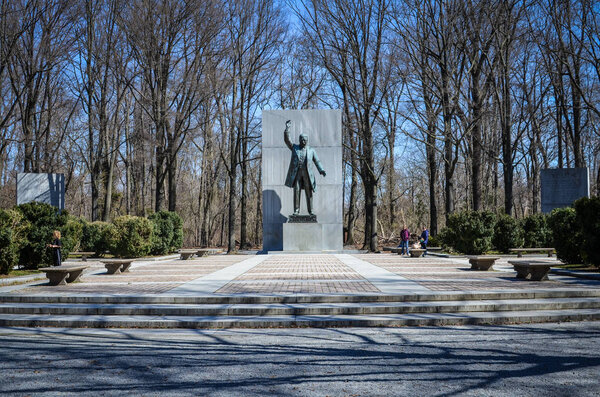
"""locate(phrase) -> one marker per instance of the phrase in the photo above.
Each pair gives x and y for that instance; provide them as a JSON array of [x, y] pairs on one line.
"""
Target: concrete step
[[421, 319], [422, 296], [299, 309]]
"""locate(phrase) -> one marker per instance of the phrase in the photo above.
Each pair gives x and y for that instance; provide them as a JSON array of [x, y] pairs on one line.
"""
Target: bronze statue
[[299, 175]]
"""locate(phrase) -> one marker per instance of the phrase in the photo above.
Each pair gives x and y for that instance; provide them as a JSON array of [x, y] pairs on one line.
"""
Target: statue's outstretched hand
[[323, 173], [288, 124]]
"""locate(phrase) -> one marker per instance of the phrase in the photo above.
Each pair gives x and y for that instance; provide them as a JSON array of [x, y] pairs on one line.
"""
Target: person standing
[[424, 239], [56, 246], [404, 237]]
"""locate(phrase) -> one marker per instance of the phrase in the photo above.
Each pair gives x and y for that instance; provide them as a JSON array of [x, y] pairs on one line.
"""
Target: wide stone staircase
[[255, 311]]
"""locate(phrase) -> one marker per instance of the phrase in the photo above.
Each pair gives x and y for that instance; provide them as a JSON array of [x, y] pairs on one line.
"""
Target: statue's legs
[[309, 198], [302, 182], [297, 196]]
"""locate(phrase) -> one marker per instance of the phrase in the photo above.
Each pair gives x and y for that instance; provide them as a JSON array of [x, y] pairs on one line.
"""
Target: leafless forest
[[156, 104]]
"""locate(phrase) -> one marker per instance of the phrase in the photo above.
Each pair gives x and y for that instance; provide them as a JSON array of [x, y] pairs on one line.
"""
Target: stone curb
[[422, 319], [422, 296], [572, 273], [300, 309]]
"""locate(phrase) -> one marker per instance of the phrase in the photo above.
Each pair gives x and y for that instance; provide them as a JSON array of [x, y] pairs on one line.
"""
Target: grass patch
[[17, 273], [581, 267]]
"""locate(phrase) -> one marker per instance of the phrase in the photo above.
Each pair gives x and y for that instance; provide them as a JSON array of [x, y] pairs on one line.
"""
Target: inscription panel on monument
[[324, 131], [562, 186]]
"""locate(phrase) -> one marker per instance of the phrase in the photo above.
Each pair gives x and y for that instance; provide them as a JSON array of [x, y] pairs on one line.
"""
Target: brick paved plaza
[[299, 274]]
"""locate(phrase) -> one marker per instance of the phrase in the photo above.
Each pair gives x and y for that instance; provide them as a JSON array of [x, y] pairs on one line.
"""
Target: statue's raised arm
[[286, 134]]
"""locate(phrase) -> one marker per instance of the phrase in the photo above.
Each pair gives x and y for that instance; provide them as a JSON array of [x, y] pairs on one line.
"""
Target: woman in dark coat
[[56, 246]]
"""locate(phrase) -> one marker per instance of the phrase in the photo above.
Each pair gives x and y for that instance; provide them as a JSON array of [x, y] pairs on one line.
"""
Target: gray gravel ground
[[530, 360]]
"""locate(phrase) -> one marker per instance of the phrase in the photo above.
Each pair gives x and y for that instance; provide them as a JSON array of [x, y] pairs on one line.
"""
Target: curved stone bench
[[521, 251], [117, 266], [61, 275], [482, 262], [416, 252], [84, 254], [207, 251], [532, 270], [186, 254]]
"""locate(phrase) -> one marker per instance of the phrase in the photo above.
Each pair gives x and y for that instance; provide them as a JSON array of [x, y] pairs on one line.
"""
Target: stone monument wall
[[45, 188], [324, 129], [562, 186]]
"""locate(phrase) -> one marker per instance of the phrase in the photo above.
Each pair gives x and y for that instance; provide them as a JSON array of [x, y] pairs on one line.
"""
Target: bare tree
[[348, 40]]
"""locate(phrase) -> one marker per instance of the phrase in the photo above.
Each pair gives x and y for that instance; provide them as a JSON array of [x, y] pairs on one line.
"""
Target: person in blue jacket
[[424, 239]]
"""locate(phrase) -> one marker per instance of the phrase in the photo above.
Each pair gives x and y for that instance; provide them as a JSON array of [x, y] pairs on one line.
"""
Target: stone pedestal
[[302, 237]]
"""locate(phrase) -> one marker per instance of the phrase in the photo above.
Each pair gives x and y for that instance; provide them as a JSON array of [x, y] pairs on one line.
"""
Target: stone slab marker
[[324, 129], [562, 186], [45, 188]]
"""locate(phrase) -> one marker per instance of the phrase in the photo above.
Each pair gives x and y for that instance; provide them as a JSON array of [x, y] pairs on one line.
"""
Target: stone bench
[[482, 262], [207, 251], [84, 254], [61, 275], [531, 270], [186, 254], [521, 251], [117, 266], [416, 252]]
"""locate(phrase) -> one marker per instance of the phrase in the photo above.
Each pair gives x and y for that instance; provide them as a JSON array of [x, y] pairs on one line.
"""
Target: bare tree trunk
[[244, 198], [476, 155]]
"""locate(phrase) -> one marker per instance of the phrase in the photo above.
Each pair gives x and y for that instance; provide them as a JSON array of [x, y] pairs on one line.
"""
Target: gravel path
[[533, 360]]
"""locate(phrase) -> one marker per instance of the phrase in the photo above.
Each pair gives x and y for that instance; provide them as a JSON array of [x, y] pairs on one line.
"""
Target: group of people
[[405, 240]]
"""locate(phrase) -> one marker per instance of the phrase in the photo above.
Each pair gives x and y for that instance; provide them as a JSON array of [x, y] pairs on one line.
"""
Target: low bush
[[168, 232], [588, 217], [130, 236], [95, 238], [537, 234], [566, 234], [41, 219], [469, 232], [508, 233]]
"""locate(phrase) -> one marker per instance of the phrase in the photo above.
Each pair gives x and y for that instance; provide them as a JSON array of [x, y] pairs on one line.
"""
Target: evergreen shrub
[[168, 232], [95, 237], [508, 233], [12, 228], [588, 217], [130, 236], [469, 232], [42, 219], [566, 234], [537, 234], [71, 234]]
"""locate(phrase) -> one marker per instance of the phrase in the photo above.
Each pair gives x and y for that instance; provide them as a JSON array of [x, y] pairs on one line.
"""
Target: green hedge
[[508, 233], [42, 219], [566, 234], [588, 218], [469, 232], [130, 236], [537, 233], [95, 237]]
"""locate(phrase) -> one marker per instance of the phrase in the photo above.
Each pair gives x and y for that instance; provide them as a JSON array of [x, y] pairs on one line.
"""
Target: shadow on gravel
[[442, 361]]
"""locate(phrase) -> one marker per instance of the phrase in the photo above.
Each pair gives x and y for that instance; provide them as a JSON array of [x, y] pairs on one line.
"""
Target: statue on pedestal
[[299, 175]]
